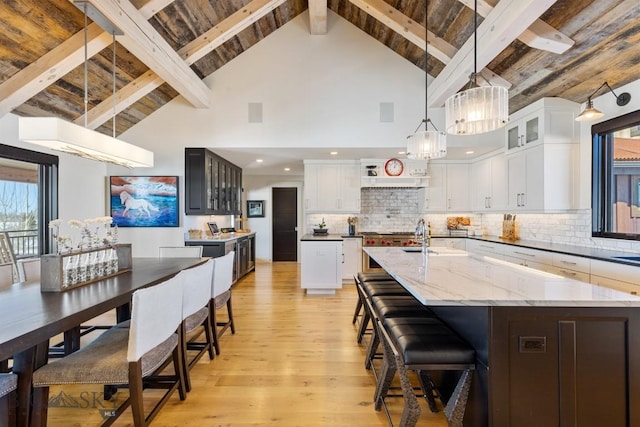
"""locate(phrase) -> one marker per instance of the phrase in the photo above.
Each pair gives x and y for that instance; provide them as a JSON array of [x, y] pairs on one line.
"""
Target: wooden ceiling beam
[[58, 62], [142, 40], [227, 29], [415, 33], [503, 25], [49, 68], [191, 53], [539, 35], [318, 17]]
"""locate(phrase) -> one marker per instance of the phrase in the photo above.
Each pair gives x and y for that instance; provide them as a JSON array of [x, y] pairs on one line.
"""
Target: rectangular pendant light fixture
[[61, 135]]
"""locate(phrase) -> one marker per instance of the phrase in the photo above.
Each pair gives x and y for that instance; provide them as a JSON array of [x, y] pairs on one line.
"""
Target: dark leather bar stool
[[423, 345], [391, 306], [365, 276], [375, 288], [360, 278]]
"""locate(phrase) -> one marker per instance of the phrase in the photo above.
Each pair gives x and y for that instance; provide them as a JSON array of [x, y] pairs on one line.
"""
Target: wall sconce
[[591, 113]]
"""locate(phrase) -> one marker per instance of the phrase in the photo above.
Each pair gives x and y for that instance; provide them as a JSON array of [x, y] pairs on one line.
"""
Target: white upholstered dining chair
[[28, 269], [195, 315], [129, 356], [221, 296]]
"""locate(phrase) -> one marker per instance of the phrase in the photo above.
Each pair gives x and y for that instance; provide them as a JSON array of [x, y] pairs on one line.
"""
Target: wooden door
[[285, 223]]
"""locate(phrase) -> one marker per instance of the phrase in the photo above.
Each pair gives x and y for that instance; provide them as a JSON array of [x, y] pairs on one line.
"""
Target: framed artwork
[[144, 201], [255, 208]]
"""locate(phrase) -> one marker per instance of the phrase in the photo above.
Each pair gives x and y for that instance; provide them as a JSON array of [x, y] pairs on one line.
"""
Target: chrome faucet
[[423, 233]]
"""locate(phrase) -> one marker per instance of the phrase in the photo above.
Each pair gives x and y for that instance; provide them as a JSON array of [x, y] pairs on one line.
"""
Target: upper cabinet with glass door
[[549, 120]]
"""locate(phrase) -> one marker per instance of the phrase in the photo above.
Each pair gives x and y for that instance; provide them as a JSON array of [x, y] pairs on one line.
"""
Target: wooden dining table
[[29, 317]]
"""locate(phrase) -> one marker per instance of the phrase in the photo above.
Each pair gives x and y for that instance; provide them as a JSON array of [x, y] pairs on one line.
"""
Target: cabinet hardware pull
[[569, 273], [568, 262], [522, 253]]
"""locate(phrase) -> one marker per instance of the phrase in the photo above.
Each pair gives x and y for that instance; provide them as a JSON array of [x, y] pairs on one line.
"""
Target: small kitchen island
[[321, 262], [549, 350]]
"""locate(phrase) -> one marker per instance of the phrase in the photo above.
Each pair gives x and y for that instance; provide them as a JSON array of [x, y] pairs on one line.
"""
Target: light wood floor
[[293, 361]]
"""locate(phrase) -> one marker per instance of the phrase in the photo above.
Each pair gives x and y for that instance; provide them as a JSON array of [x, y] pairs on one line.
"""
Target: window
[[616, 178], [28, 199]]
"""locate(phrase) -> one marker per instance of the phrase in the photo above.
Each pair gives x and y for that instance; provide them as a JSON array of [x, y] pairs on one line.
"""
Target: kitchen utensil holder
[[510, 230], [62, 272]]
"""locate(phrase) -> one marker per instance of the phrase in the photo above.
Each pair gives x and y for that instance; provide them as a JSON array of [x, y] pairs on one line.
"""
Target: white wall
[[316, 91], [260, 188]]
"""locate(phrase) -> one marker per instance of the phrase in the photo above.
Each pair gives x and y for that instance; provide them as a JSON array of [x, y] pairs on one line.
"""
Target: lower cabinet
[[321, 266], [244, 248], [352, 247], [449, 242]]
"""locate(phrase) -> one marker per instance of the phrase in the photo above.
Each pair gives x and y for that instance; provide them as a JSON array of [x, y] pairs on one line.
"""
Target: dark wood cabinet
[[213, 185]]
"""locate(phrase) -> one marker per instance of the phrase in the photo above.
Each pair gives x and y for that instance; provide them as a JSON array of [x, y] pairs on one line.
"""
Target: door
[[285, 223]]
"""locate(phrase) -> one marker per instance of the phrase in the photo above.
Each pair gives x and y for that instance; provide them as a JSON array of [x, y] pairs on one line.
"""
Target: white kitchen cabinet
[[321, 266], [332, 186], [622, 277], [489, 184], [481, 247], [543, 178], [448, 189], [352, 248], [449, 242], [549, 120], [528, 257]]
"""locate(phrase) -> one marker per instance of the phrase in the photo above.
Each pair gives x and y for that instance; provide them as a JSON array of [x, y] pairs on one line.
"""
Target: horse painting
[[131, 203]]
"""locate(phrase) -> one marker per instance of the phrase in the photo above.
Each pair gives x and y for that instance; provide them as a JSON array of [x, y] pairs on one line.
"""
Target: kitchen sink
[[414, 249], [629, 258]]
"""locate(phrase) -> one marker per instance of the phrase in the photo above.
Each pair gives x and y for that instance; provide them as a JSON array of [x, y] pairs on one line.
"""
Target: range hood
[[394, 182]]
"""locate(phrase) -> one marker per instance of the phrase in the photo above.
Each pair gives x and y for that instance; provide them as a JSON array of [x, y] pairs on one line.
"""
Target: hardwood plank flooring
[[293, 361]]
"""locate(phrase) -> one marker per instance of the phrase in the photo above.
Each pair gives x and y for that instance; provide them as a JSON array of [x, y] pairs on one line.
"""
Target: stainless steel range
[[396, 238]]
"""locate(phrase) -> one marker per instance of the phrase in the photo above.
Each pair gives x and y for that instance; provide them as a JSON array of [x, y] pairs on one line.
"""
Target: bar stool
[[386, 307], [8, 385], [363, 277], [374, 288], [423, 345]]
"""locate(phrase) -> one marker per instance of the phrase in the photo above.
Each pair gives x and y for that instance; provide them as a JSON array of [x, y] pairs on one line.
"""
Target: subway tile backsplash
[[398, 209]]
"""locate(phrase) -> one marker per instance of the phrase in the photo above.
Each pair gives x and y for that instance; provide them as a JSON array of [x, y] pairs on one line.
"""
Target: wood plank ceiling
[[42, 48]]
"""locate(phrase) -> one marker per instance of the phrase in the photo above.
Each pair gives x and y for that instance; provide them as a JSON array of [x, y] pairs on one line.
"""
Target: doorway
[[285, 223]]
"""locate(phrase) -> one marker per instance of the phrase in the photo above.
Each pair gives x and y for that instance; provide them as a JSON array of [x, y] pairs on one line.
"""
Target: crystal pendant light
[[426, 144], [477, 109]]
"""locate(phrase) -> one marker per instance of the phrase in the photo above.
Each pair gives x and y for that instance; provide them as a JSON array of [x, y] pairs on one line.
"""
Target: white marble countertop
[[450, 277]]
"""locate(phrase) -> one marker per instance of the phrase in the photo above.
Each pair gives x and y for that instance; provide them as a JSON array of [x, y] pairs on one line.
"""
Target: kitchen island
[[550, 350], [321, 261]]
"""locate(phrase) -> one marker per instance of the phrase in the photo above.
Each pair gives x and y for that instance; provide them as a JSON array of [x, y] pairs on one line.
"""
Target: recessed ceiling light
[[402, 152], [333, 153], [470, 152], [259, 160], [287, 169]]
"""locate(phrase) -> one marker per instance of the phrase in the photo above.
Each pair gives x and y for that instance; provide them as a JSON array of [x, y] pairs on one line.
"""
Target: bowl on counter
[[320, 231]]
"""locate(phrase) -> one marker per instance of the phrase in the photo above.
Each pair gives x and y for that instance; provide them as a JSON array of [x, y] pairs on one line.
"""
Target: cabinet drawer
[[485, 248], [616, 271], [572, 262], [569, 274], [532, 255], [615, 284]]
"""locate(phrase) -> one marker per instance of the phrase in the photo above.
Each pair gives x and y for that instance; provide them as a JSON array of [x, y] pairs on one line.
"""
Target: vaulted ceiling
[[540, 48]]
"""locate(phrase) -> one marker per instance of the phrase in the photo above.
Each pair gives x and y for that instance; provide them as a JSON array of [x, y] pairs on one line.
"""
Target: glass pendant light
[[426, 144], [477, 109]]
